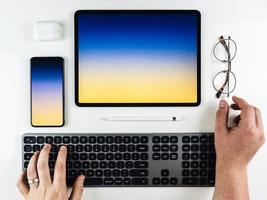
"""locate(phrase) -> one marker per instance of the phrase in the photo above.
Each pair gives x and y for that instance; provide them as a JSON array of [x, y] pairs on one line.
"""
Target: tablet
[[137, 58]]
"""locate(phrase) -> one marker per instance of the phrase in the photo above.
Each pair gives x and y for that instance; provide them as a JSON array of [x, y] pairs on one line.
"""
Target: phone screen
[[47, 91]]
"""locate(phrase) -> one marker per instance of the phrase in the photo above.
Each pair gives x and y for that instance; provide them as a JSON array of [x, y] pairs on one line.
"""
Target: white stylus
[[144, 118]]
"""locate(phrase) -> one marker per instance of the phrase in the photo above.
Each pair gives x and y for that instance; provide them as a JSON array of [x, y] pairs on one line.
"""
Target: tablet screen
[[137, 57]]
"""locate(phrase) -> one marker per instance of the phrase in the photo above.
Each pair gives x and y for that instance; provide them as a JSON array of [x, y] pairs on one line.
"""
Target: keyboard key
[[124, 173], [164, 156], [165, 139], [185, 139], [135, 156], [109, 139], [144, 139], [185, 172], [84, 139], [118, 139], [40, 140], [57, 140], [66, 139], [140, 164], [126, 181], [165, 148], [185, 164], [173, 181], [107, 173], [127, 139], [142, 148], [116, 172], [49, 140], [165, 172], [173, 148], [156, 139], [144, 156], [139, 181], [164, 181], [98, 173], [156, 156], [186, 147], [173, 139], [75, 139], [29, 140], [173, 156], [118, 181], [203, 138], [138, 173], [92, 139], [194, 139], [122, 148], [194, 147], [156, 181], [135, 139], [108, 181], [93, 181], [27, 156], [156, 148], [101, 140], [27, 148], [185, 156]]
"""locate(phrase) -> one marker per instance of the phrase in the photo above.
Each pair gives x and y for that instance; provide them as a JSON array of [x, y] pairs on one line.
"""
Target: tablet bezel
[[76, 60]]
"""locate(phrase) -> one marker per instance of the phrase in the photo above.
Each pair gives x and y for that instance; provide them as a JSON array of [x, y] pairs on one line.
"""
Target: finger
[[222, 117], [42, 166], [258, 118], [77, 189], [248, 117], [32, 171], [241, 103], [22, 186], [60, 167]]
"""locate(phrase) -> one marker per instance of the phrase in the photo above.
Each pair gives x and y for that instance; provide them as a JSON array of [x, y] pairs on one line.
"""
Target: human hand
[[235, 146], [48, 189]]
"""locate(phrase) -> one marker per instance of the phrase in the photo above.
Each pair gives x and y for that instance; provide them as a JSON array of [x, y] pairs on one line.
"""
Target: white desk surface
[[244, 20]]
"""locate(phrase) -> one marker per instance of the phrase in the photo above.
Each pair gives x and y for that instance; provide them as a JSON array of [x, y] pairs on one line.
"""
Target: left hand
[[46, 189]]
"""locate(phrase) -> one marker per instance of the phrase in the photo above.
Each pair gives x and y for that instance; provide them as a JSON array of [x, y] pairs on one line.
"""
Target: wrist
[[230, 168]]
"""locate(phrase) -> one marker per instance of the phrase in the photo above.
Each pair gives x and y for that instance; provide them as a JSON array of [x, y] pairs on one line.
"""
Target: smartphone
[[47, 91]]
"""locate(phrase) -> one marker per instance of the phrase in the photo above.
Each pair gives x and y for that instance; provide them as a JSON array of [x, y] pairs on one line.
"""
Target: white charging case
[[47, 31]]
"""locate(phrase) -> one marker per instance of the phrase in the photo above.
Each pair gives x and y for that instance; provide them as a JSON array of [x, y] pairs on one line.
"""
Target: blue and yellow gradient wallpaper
[[137, 58], [47, 92]]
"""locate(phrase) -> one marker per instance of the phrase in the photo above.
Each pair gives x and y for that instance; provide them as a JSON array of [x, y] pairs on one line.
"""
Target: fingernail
[[222, 103], [63, 148], [82, 180], [47, 146]]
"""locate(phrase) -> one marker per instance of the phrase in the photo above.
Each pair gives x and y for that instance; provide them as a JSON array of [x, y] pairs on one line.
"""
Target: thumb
[[77, 190], [222, 117]]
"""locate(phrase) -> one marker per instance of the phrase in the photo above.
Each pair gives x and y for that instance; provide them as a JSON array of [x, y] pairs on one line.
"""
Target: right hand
[[48, 189], [235, 146]]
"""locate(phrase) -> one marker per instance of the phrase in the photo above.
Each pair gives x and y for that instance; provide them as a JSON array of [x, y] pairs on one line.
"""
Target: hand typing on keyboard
[[235, 147], [44, 187]]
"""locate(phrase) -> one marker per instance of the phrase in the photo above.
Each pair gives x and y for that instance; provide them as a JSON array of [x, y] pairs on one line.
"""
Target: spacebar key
[[93, 181]]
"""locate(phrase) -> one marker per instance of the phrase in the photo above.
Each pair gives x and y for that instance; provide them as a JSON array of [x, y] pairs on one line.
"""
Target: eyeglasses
[[224, 82]]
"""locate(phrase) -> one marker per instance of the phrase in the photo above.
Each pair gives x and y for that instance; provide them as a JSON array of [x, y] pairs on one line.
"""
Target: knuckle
[[60, 166]]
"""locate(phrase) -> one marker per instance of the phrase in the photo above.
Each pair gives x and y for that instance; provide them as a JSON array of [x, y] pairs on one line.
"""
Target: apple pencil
[[144, 118]]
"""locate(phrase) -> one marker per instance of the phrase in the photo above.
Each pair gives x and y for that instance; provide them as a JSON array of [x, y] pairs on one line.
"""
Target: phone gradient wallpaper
[[137, 57], [47, 92]]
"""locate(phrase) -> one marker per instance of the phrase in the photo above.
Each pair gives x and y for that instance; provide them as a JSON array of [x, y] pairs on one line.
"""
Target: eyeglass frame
[[229, 64]]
